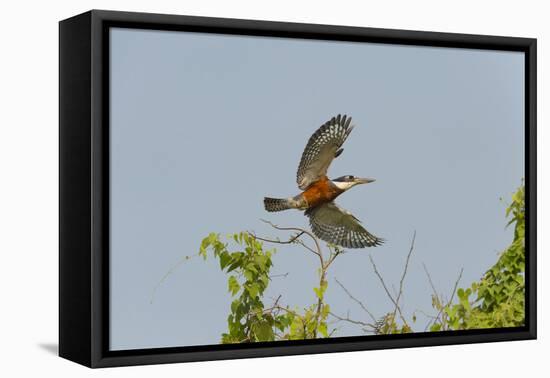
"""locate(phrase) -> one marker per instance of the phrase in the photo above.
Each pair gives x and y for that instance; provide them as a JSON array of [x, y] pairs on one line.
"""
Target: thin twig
[[394, 292], [433, 319], [430, 279], [381, 279], [403, 276], [294, 239], [352, 321], [456, 285], [333, 256], [318, 252], [278, 307], [322, 280], [299, 230], [385, 287], [452, 296], [289, 241], [276, 303], [278, 275], [170, 271], [303, 244], [356, 300]]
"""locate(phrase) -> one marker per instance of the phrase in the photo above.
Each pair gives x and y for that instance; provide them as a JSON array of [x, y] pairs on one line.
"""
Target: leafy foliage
[[498, 299], [388, 324], [249, 319]]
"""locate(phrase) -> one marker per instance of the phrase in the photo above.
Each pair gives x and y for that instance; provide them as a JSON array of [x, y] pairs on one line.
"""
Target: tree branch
[[430, 279], [352, 321], [294, 239], [284, 275], [318, 252], [450, 300], [289, 241], [317, 245], [167, 274], [356, 300], [403, 278]]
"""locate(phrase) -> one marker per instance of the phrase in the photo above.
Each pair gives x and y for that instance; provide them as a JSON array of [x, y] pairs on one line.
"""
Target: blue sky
[[204, 126]]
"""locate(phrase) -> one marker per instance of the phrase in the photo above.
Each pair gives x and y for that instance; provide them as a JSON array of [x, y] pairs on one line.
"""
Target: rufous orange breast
[[320, 192]]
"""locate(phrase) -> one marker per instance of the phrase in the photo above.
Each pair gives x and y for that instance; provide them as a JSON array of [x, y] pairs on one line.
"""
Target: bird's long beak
[[360, 180]]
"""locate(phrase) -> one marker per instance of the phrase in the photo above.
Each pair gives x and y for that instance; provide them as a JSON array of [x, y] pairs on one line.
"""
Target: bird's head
[[346, 182]]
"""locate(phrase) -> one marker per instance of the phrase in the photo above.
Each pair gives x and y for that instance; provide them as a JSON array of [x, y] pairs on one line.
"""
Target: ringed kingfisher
[[328, 221]]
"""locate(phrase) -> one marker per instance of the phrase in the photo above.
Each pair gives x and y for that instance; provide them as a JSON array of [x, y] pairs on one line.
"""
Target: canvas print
[[270, 189]]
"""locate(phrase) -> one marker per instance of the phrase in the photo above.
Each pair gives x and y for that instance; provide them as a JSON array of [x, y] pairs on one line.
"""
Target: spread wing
[[323, 146], [335, 225]]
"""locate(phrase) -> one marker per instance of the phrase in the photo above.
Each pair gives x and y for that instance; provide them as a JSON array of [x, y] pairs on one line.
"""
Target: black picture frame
[[84, 174]]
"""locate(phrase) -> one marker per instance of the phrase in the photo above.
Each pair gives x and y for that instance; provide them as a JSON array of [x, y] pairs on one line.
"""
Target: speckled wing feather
[[323, 146], [335, 225]]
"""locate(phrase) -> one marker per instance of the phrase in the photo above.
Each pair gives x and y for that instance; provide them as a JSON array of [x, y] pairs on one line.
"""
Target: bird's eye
[[350, 177]]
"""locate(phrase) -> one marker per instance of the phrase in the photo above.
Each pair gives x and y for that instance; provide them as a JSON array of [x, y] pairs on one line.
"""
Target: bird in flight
[[328, 221]]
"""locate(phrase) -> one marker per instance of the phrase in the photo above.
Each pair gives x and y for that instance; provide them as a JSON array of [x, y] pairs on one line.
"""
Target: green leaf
[[233, 285], [317, 292], [325, 311], [500, 293], [263, 331], [234, 265], [251, 268], [264, 280], [323, 329], [320, 291], [260, 261], [253, 290], [225, 258], [248, 275], [234, 305]]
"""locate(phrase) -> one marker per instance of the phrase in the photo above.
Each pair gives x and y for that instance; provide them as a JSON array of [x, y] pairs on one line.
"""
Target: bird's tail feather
[[277, 204]]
